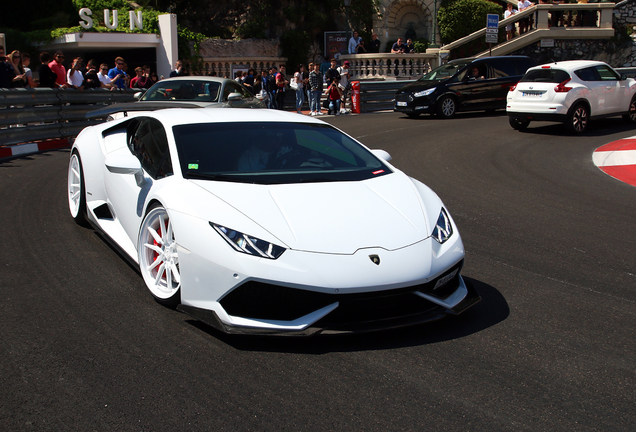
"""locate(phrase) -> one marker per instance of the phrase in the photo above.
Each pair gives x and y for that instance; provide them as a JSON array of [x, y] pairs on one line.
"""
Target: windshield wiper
[[190, 174]]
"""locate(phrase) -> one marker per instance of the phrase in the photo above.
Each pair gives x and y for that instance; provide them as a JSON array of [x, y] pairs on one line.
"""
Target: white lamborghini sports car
[[267, 222]]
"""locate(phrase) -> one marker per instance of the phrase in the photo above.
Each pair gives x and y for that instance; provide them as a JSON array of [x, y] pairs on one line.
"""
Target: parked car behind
[[571, 92], [185, 92], [463, 85]]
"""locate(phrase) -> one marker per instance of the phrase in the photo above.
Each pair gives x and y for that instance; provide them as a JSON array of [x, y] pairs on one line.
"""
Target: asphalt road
[[549, 245]]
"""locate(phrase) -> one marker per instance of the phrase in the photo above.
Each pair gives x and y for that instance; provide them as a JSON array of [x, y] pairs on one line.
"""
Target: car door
[[595, 94], [475, 93], [147, 142], [615, 90]]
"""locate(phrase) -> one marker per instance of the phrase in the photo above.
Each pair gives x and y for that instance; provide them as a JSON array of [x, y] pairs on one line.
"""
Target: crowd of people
[[15, 73], [308, 84]]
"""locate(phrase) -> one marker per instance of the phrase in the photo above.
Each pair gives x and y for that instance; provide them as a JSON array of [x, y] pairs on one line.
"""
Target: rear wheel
[[518, 124], [577, 119], [158, 257], [631, 114], [76, 190], [446, 107]]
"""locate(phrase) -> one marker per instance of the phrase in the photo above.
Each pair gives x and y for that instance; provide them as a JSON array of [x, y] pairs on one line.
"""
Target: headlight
[[443, 228], [424, 92], [248, 244]]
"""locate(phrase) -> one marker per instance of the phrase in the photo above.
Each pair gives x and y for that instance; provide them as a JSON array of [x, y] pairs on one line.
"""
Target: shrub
[[463, 17]]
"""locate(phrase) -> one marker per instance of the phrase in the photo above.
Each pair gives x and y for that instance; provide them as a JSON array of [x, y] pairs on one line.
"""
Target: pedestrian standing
[[117, 74], [281, 83], [299, 87], [272, 88], [47, 76], [26, 62], [58, 68], [315, 81], [374, 47], [345, 85]]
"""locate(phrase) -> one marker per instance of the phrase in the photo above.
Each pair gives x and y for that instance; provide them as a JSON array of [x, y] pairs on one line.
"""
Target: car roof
[[571, 65], [483, 59], [196, 78], [178, 116]]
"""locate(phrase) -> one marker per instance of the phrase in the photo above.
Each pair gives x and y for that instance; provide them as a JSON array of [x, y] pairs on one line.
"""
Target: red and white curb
[[25, 149], [618, 159]]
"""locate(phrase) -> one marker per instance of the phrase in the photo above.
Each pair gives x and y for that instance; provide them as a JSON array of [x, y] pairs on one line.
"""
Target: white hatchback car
[[571, 92]]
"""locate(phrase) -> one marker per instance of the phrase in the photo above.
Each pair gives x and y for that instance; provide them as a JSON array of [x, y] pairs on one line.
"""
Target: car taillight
[[561, 88], [513, 87]]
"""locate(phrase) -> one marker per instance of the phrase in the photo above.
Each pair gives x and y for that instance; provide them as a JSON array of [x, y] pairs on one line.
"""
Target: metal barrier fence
[[28, 115], [379, 95]]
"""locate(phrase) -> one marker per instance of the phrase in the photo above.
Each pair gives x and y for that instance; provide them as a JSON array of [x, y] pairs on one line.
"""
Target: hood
[[335, 217], [419, 85]]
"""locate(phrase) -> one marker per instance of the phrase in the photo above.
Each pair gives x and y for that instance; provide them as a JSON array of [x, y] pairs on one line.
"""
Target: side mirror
[[138, 95], [381, 154], [125, 164], [234, 97]]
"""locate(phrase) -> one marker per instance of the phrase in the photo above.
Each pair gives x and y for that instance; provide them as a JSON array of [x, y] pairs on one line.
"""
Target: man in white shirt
[[524, 23], [103, 76], [354, 42], [344, 82]]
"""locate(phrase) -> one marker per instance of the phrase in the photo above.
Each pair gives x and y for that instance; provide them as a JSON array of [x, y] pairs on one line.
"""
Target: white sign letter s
[[87, 21]]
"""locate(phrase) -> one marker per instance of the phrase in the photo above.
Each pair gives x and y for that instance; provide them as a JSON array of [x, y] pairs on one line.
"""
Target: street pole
[[433, 44]]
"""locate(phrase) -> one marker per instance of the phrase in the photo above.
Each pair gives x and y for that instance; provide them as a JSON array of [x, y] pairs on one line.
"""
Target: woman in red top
[[334, 94]]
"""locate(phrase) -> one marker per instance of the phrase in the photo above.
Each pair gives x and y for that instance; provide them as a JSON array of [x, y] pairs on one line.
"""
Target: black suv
[[463, 85]]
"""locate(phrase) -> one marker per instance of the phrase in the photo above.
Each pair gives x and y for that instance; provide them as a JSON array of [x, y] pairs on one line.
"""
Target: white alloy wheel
[[75, 191], [158, 257]]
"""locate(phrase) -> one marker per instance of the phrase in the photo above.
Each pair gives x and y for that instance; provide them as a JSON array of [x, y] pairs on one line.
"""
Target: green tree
[[460, 18]]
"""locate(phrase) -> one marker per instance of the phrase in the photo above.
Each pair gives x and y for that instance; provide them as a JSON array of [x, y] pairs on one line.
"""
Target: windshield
[[184, 90], [443, 72], [272, 153]]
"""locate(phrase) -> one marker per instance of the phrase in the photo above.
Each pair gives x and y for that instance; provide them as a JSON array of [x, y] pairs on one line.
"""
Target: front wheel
[[631, 113], [76, 190], [446, 107], [158, 257], [577, 119], [518, 124]]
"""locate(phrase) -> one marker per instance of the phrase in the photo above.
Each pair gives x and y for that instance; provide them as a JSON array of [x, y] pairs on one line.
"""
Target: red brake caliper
[[154, 241]]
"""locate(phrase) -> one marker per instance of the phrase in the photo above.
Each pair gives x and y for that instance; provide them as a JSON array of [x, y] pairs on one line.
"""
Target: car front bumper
[[359, 313], [408, 104]]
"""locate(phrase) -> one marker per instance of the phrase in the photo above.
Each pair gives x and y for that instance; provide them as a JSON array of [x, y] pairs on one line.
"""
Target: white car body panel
[[611, 97], [330, 230]]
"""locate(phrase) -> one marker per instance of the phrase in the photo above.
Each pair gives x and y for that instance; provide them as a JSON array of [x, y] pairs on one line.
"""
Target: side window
[[503, 68], [231, 87], [587, 74], [606, 73], [150, 144]]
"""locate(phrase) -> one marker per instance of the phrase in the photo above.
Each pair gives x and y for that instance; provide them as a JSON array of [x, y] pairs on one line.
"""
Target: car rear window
[[546, 75]]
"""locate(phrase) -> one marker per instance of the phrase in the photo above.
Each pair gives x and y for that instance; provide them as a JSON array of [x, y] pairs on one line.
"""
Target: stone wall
[[620, 51], [214, 48]]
